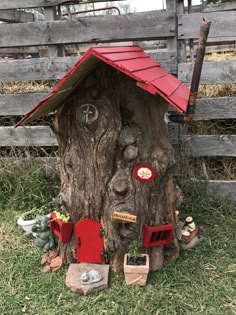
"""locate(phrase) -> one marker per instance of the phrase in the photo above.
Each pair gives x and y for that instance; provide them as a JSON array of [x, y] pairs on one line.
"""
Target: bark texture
[[97, 160]]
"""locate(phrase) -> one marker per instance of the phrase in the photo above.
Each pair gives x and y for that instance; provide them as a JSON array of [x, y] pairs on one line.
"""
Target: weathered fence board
[[215, 108], [223, 189], [35, 69], [217, 188], [210, 145], [55, 68], [220, 48], [16, 4], [206, 108], [39, 136], [167, 60], [223, 24], [16, 16], [219, 7], [212, 72], [19, 50], [212, 41], [19, 104], [95, 29]]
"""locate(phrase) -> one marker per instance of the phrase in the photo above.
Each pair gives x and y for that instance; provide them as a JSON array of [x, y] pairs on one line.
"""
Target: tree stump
[[104, 130]]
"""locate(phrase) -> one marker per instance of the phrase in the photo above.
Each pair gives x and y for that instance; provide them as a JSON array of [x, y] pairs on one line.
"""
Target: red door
[[89, 241]]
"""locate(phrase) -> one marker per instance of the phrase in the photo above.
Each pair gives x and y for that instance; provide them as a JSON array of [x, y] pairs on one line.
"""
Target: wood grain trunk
[[97, 160]]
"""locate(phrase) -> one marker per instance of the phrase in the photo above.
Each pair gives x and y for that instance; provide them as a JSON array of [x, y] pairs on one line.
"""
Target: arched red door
[[89, 241]]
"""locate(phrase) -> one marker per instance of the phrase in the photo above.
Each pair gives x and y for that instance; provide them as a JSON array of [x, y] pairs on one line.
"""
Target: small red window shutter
[[157, 235]]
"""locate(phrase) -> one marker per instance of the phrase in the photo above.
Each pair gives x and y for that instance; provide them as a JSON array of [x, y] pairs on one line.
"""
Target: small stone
[[127, 136], [194, 242], [74, 272], [130, 153]]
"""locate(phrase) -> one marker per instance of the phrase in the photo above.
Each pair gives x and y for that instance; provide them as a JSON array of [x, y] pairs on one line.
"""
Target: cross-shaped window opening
[[88, 113]]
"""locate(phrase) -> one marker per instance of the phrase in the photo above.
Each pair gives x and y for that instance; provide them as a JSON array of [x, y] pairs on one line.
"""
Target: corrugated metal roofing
[[132, 61]]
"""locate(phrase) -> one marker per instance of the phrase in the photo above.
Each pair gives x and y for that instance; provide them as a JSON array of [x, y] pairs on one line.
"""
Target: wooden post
[[181, 55], [50, 15], [173, 6], [182, 129], [191, 44]]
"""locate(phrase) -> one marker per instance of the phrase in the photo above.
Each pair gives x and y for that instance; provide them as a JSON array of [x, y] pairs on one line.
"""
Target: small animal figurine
[[43, 236], [91, 276], [189, 226], [189, 232]]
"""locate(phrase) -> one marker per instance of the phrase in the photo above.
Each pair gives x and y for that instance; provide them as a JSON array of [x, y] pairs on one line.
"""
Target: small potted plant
[[28, 218], [136, 265], [61, 226]]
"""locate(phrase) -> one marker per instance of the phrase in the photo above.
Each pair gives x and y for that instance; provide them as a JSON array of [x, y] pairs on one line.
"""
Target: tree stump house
[[116, 160]]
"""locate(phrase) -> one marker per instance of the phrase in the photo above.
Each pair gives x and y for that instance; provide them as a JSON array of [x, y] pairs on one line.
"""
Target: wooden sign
[[124, 216]]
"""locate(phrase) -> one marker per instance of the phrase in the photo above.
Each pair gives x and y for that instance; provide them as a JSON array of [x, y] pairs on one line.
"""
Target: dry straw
[[214, 168], [25, 87]]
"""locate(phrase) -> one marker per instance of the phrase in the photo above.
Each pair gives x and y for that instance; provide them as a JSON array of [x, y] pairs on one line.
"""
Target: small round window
[[88, 113]]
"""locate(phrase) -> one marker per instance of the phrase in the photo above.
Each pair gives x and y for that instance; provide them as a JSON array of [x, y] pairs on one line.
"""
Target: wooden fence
[[172, 25]]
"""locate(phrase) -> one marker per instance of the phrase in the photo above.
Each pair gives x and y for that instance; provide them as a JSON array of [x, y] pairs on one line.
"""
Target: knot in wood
[[127, 136], [121, 187], [130, 153], [225, 138]]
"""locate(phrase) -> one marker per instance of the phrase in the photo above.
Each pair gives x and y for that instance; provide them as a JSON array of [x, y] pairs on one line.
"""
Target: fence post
[[50, 15], [173, 7]]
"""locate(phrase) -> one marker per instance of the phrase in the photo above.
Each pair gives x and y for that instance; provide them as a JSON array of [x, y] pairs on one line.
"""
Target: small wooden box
[[61, 229], [157, 235]]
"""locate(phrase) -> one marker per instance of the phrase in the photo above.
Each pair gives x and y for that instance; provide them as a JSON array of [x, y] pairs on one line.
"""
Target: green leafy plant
[[34, 212], [134, 249], [61, 216]]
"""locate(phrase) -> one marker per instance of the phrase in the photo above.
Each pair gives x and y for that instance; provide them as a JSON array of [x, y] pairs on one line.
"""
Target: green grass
[[201, 281]]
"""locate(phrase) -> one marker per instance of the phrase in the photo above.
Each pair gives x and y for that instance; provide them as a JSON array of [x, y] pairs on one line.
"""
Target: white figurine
[[91, 276], [189, 226]]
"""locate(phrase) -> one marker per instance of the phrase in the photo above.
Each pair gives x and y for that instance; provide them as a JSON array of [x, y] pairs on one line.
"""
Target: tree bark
[[97, 160]]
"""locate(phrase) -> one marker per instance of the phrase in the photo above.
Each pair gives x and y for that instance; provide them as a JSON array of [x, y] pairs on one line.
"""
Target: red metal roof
[[132, 61]]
